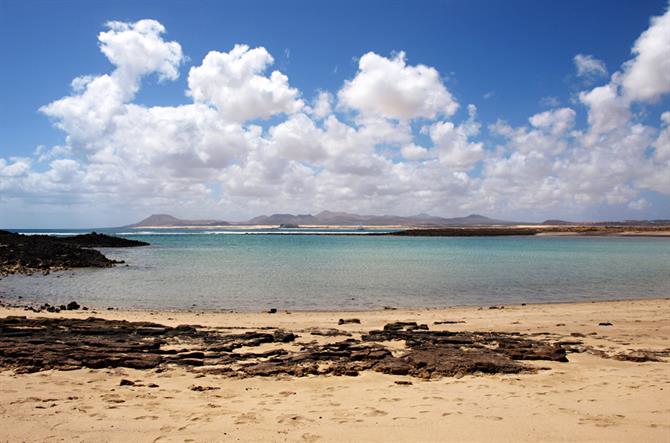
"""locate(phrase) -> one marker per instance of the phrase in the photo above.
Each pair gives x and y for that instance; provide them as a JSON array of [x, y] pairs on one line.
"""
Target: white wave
[[196, 232], [52, 233], [293, 232]]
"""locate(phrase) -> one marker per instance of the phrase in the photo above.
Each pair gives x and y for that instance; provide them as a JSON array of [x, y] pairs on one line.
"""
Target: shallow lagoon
[[209, 271]]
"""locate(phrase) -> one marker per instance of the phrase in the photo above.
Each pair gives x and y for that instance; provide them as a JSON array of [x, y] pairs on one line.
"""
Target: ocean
[[231, 270]]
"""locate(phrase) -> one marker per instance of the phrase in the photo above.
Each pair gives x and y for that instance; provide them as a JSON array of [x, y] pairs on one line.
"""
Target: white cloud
[[415, 152], [392, 89], [323, 105], [607, 110], [43, 154], [137, 49], [298, 138], [647, 76], [662, 143], [233, 83], [17, 167], [452, 143], [588, 66], [557, 121]]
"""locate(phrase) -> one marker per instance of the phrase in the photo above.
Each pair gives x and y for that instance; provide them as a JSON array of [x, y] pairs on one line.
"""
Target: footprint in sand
[[246, 418], [293, 419], [489, 417], [601, 421], [147, 417], [310, 438], [373, 412]]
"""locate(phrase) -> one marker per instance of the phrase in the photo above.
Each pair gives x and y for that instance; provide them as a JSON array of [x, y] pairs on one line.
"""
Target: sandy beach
[[595, 396]]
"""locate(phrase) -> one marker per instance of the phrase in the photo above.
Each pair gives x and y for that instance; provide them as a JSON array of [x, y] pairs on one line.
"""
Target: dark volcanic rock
[[445, 353], [29, 345], [31, 253], [95, 240], [327, 332], [463, 232], [27, 254], [404, 325], [198, 388], [641, 356]]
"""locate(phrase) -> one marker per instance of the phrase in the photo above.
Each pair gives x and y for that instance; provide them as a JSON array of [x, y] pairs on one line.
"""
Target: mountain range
[[326, 218], [168, 220]]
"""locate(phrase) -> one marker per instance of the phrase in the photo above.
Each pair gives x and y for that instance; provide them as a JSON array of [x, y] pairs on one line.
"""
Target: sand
[[590, 398]]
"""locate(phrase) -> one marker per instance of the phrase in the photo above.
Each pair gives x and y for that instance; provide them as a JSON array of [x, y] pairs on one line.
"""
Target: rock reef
[[36, 344], [463, 232], [27, 254]]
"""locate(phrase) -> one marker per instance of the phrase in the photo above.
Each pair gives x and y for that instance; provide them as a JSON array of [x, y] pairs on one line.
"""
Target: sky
[[523, 110]]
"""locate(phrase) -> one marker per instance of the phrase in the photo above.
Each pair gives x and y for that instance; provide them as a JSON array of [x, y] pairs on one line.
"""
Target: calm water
[[184, 270]]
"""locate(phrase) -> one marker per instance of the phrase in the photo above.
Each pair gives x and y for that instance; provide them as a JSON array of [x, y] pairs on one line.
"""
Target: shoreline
[[602, 393], [115, 313], [12, 302]]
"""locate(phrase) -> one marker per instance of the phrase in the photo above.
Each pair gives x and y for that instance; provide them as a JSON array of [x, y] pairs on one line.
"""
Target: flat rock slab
[[35, 344]]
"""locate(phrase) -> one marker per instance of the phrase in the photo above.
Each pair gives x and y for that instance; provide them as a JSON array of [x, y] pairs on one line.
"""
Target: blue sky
[[511, 59]]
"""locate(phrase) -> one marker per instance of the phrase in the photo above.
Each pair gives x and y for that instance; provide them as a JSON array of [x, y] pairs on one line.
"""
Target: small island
[[289, 226], [27, 254]]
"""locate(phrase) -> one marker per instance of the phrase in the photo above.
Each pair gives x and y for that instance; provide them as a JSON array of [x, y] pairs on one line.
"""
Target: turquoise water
[[205, 271]]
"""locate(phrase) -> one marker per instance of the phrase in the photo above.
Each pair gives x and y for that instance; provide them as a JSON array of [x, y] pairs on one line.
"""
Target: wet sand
[[593, 397]]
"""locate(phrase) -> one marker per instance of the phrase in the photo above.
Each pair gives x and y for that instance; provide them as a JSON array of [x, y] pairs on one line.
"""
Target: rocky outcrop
[[27, 254], [30, 345], [95, 240]]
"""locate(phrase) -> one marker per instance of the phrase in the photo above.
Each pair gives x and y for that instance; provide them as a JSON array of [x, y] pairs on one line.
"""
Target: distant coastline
[[440, 231], [415, 225]]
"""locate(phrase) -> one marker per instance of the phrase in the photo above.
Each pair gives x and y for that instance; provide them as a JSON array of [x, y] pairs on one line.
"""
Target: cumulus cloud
[[400, 150], [390, 88], [452, 143], [607, 109], [323, 105], [647, 76], [233, 83], [588, 66], [15, 167], [415, 152], [557, 121], [137, 49]]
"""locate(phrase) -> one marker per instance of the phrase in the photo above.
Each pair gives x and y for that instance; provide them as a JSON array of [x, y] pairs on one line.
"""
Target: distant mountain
[[348, 219], [283, 219], [168, 220]]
